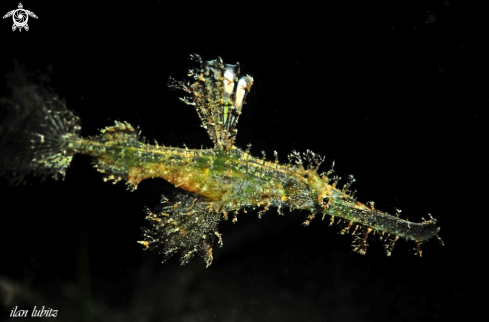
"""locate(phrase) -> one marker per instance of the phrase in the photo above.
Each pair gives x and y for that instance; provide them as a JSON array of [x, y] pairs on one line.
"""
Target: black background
[[395, 93]]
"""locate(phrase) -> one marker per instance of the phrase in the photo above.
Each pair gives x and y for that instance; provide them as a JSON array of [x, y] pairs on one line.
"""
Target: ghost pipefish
[[214, 183]]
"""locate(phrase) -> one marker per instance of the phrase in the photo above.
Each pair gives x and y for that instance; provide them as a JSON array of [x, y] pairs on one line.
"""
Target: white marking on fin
[[244, 85], [229, 76]]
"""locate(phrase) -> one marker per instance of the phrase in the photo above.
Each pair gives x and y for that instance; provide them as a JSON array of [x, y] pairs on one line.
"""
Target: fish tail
[[38, 134]]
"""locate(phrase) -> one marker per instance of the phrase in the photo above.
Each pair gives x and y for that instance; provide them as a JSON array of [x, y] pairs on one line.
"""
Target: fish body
[[213, 184]]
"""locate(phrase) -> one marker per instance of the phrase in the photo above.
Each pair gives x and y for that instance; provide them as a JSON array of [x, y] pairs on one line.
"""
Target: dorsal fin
[[218, 95]]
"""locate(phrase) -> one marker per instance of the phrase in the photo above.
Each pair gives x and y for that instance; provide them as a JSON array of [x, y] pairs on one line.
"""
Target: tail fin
[[38, 133]]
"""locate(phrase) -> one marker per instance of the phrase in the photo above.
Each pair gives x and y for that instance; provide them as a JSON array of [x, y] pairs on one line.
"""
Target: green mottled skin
[[234, 179]]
